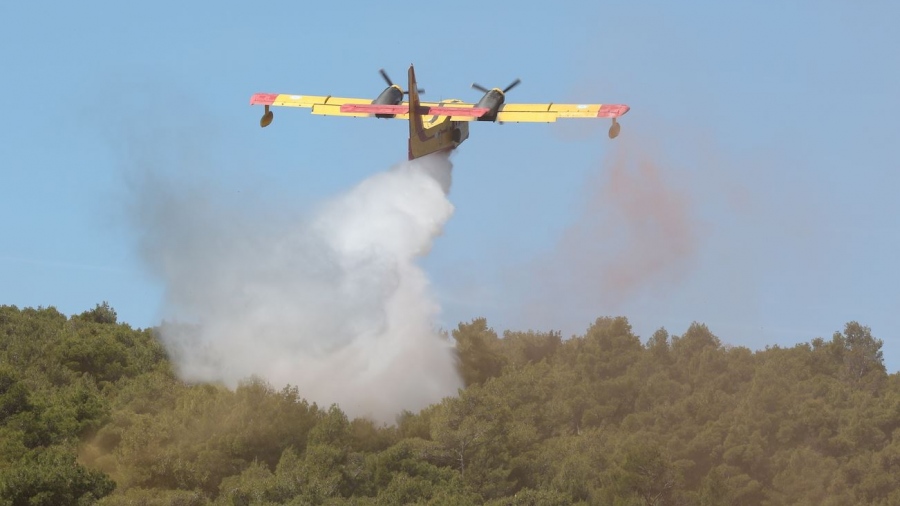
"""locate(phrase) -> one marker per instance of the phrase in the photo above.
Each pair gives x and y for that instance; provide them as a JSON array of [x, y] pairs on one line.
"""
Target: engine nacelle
[[492, 101], [392, 95]]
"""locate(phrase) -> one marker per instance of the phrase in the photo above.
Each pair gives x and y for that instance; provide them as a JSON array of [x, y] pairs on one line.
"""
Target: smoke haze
[[635, 231], [331, 300]]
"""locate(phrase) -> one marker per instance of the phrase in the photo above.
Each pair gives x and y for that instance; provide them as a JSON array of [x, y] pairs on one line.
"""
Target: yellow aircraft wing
[[549, 113], [318, 104], [459, 111], [363, 107]]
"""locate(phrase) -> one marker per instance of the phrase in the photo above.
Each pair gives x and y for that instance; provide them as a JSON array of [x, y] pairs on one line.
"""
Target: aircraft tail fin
[[416, 126], [442, 133]]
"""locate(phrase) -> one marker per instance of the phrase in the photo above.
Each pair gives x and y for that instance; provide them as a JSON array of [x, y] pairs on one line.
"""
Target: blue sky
[[774, 125]]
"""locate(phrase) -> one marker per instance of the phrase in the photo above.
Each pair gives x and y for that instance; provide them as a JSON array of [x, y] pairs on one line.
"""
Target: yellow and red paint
[[437, 126], [460, 111], [422, 110]]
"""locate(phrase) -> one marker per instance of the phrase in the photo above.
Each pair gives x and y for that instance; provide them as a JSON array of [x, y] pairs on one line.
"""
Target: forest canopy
[[91, 412]]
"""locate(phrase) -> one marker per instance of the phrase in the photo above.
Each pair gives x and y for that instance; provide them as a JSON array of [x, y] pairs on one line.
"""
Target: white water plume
[[334, 303]]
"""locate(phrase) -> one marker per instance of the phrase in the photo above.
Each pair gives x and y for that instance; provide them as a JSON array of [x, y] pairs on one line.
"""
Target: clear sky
[[753, 188]]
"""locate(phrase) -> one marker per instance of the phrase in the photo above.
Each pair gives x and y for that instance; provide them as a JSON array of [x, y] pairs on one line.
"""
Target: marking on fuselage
[[435, 117]]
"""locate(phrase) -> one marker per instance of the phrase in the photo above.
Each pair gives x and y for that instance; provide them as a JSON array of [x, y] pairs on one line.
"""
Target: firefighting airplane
[[438, 126]]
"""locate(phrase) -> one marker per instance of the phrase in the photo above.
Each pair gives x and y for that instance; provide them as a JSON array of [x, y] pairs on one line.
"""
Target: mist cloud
[[331, 301]]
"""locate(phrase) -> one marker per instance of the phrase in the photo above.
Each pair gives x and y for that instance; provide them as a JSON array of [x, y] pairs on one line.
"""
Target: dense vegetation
[[91, 413]]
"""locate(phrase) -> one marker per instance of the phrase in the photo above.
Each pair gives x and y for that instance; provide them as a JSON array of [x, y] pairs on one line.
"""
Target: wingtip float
[[438, 126]]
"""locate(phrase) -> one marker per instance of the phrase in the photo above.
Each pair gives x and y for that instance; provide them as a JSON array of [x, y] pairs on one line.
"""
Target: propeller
[[505, 90], [387, 79]]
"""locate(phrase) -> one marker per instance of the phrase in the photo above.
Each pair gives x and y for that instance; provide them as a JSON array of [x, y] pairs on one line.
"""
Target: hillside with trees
[[91, 412]]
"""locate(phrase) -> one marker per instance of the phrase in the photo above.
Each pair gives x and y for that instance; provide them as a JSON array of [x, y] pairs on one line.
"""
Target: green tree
[[521, 348], [861, 353], [642, 469], [473, 433], [52, 477], [806, 478], [478, 352], [102, 313], [13, 394]]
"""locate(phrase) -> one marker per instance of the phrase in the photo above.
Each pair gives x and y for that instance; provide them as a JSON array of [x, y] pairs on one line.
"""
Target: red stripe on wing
[[423, 110], [263, 98], [375, 108], [612, 110], [475, 112]]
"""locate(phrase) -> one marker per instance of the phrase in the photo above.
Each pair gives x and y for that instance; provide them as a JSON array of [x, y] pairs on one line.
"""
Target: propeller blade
[[480, 88], [420, 90], [512, 85], [386, 78]]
